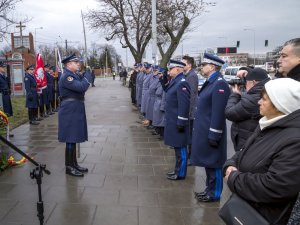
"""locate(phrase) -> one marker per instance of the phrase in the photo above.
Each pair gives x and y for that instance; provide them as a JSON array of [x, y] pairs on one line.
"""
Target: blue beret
[[161, 70], [174, 63], [31, 67], [2, 64], [70, 58], [212, 59], [147, 65]]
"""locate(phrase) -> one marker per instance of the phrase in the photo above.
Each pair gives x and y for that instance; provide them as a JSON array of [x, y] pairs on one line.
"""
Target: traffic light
[[266, 43], [226, 50], [238, 44]]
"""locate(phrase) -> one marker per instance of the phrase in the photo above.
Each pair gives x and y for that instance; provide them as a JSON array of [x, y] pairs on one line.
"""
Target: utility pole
[[21, 36], [154, 32], [66, 44]]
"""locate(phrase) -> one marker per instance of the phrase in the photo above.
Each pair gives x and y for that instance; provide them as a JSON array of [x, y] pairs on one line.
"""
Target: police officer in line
[[176, 133], [5, 90], [159, 108], [145, 90], [50, 93], [32, 99], [209, 139], [153, 85], [132, 84], [72, 124], [139, 85], [192, 78]]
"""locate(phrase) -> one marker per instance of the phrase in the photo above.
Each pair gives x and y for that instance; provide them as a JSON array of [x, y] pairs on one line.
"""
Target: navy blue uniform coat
[[32, 100], [210, 123], [177, 111], [4, 89], [159, 108], [72, 125]]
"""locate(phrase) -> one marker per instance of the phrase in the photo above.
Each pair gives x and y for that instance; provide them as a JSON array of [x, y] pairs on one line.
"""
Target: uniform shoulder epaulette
[[182, 79], [220, 78]]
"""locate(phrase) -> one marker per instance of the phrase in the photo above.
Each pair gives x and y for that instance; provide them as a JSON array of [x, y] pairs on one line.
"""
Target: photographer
[[242, 108]]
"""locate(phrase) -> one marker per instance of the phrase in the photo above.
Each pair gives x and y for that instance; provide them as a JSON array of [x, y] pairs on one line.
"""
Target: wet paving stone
[[126, 183]]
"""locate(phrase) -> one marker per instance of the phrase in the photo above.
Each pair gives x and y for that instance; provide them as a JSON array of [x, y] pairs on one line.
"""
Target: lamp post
[[35, 47], [248, 29]]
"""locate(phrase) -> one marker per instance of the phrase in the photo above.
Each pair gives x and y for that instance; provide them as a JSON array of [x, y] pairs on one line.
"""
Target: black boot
[[70, 170], [75, 163]]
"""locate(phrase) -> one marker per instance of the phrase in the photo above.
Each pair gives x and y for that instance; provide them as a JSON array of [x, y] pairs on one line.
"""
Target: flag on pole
[[59, 67], [39, 73]]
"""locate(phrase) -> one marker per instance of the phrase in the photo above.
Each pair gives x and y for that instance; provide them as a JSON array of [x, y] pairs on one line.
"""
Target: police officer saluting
[[176, 132], [72, 125]]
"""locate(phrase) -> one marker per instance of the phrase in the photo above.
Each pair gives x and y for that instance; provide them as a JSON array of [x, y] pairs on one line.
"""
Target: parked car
[[230, 72], [201, 81]]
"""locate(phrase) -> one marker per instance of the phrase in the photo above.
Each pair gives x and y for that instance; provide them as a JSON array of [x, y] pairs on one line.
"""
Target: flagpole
[[85, 46]]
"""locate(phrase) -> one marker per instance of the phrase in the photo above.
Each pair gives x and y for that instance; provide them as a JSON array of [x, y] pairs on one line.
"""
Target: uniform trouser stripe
[[182, 154], [219, 183]]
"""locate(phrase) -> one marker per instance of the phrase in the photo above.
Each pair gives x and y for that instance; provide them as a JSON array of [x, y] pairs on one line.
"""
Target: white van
[[230, 72]]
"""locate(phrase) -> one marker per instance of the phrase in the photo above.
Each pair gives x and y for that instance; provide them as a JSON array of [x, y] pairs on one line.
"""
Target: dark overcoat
[[158, 107], [50, 84], [192, 79], [177, 111], [4, 89], [72, 125], [210, 123], [154, 84], [32, 99], [145, 92]]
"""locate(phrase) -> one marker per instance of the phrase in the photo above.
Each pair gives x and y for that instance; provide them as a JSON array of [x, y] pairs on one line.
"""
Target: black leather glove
[[180, 129], [213, 143]]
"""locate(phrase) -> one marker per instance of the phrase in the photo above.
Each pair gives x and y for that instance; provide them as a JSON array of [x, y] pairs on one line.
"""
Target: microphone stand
[[36, 173]]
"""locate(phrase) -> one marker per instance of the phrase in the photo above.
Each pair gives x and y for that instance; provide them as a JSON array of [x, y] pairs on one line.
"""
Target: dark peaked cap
[[70, 58], [173, 63], [31, 67], [212, 59]]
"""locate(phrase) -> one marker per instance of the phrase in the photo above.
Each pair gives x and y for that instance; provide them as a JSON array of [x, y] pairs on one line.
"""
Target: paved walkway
[[126, 184]]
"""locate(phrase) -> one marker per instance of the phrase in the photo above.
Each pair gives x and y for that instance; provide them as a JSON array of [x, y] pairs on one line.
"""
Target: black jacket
[[295, 73], [268, 169], [243, 111]]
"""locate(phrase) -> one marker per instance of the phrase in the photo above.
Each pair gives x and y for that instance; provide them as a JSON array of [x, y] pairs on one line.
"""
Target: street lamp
[[247, 29], [35, 47]]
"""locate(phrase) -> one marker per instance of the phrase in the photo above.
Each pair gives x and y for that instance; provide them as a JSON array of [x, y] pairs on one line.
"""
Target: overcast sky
[[224, 24]]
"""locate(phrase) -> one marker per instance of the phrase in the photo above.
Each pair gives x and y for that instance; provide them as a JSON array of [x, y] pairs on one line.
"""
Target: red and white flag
[[39, 73]]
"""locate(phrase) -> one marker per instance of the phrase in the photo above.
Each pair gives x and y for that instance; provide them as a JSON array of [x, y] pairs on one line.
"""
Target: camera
[[237, 81]]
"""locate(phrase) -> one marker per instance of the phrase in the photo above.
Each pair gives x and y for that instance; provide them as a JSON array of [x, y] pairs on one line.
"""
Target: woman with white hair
[[265, 172]]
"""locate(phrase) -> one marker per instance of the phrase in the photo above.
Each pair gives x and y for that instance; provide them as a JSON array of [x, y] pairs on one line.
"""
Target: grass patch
[[20, 114]]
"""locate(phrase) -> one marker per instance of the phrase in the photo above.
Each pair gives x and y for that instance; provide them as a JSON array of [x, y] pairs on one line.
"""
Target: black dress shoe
[[207, 198], [154, 133], [81, 169], [73, 172], [38, 119], [171, 173], [33, 122], [11, 135], [199, 194], [175, 177]]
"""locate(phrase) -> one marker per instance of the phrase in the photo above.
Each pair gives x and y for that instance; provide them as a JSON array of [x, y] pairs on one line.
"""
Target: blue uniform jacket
[[177, 111], [158, 108], [4, 89], [72, 125], [154, 84], [50, 83], [32, 100], [210, 123]]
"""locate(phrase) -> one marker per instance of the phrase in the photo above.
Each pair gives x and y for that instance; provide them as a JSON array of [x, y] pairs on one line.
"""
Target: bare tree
[[6, 7], [174, 20], [130, 22]]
